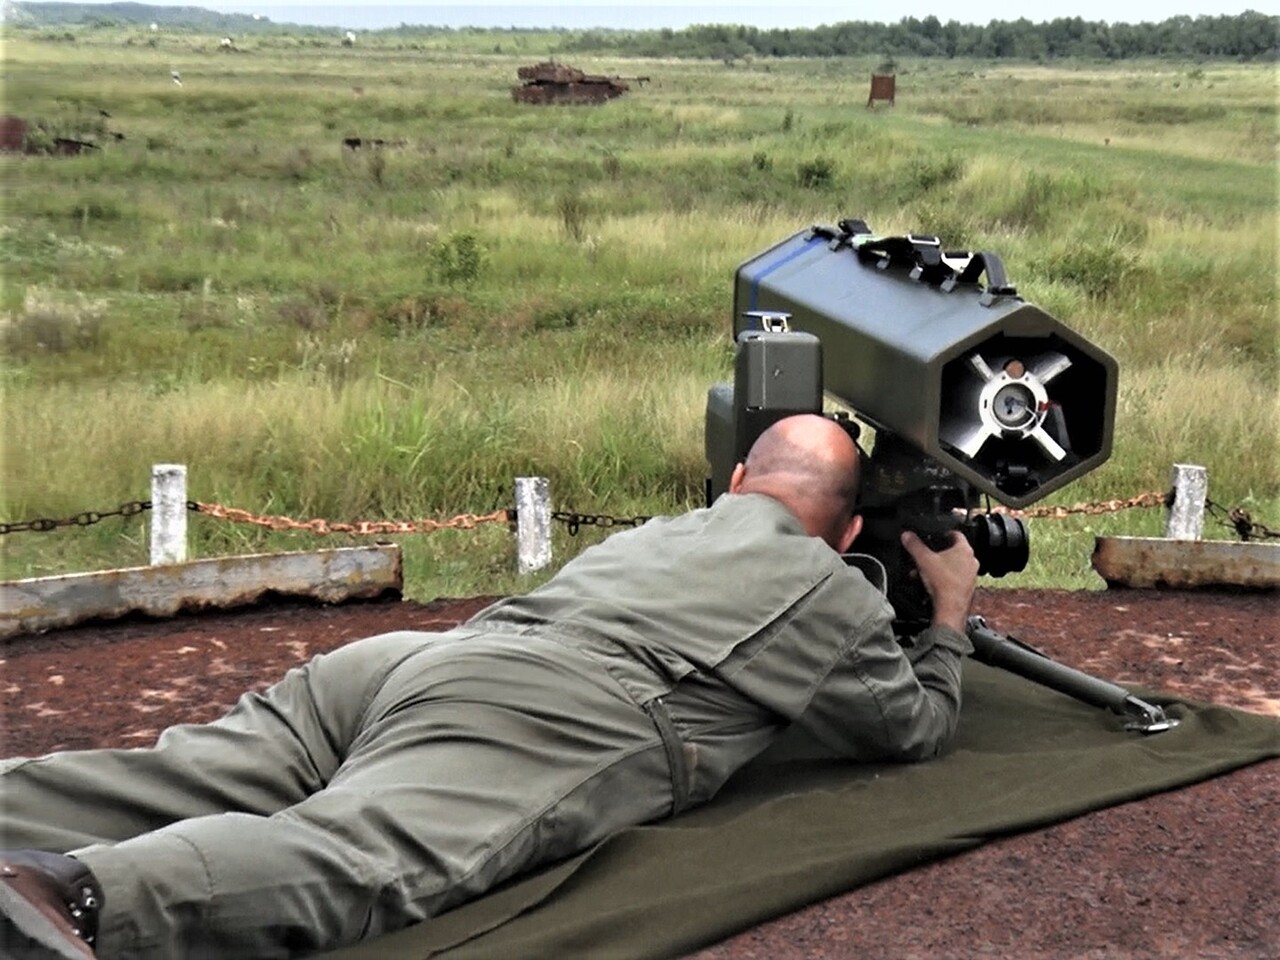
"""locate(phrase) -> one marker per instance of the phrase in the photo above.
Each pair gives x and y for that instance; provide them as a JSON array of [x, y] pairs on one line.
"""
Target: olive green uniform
[[400, 775]]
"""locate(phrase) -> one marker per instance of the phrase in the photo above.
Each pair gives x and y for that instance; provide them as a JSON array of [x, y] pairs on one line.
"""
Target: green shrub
[[53, 321], [561, 317], [201, 313], [611, 165], [816, 173], [926, 172], [168, 276], [1098, 269], [37, 140], [574, 213], [1042, 197], [377, 164], [459, 258], [944, 221], [298, 164], [98, 208], [303, 313]]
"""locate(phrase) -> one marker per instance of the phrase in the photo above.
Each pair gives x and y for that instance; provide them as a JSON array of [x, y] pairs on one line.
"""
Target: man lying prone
[[401, 775]]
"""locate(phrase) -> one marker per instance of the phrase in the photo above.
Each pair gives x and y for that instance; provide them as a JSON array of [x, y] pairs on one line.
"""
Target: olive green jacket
[[738, 597]]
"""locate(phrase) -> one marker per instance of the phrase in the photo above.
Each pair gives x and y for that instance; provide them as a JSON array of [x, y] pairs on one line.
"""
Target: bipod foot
[[1146, 717]]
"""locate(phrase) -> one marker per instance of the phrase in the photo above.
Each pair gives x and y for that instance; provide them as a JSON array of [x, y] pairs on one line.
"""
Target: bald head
[[810, 465]]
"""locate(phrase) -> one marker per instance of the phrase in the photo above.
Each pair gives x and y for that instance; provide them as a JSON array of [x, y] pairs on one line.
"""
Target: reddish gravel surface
[[1189, 874]]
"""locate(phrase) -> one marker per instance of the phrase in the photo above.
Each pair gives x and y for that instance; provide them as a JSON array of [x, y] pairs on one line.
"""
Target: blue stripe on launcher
[[768, 268]]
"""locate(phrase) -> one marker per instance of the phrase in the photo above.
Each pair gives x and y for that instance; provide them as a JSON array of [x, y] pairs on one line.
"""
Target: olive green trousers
[[370, 789]]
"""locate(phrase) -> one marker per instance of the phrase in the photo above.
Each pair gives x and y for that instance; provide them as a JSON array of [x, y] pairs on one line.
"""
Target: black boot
[[49, 906]]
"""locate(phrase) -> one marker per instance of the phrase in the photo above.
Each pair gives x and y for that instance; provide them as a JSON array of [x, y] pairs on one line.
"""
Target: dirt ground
[[1189, 874]]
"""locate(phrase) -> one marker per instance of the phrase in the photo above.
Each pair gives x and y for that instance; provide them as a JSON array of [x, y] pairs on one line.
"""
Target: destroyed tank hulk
[[551, 82]]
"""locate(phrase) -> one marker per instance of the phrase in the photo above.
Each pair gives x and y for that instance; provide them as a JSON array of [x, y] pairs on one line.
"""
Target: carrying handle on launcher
[[923, 253]]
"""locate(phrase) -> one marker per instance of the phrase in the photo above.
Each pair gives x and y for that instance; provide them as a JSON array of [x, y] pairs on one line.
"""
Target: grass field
[[506, 290]]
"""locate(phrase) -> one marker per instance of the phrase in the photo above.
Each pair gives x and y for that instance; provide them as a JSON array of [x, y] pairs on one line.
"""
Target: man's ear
[[851, 531], [735, 479]]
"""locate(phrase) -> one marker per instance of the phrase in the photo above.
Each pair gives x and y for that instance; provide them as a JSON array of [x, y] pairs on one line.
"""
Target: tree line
[[1246, 36]]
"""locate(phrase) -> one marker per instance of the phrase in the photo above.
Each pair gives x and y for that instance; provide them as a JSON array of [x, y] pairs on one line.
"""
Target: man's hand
[[949, 575]]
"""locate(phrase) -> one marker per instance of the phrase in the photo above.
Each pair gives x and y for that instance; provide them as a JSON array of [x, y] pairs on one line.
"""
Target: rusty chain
[[463, 521], [1234, 518], [1152, 499]]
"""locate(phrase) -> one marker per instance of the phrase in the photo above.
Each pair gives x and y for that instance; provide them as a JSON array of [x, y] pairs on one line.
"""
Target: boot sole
[[24, 928]]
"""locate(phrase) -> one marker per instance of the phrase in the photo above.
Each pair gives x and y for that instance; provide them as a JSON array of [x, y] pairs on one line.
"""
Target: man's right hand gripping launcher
[[971, 391]]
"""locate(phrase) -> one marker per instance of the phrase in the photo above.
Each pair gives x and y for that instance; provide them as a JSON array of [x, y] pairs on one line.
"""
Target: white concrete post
[[168, 513], [533, 523], [1186, 513]]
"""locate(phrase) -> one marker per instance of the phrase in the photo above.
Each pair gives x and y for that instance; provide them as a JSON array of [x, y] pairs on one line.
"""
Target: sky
[[654, 15]]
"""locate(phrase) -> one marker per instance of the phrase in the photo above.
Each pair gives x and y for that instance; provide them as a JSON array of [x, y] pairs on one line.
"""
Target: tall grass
[[502, 290]]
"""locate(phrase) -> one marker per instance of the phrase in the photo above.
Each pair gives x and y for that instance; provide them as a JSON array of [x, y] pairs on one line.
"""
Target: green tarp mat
[[786, 833]]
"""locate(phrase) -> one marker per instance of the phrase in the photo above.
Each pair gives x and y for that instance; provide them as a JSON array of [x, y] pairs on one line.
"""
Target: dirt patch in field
[[1187, 874]]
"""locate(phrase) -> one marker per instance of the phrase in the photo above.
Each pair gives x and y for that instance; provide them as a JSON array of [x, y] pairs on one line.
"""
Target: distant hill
[[196, 19]]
